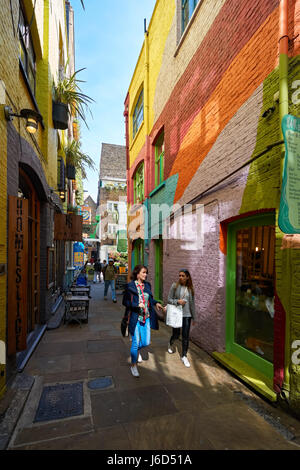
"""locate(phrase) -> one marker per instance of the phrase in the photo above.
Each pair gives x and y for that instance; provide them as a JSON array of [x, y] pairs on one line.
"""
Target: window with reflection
[[255, 277]]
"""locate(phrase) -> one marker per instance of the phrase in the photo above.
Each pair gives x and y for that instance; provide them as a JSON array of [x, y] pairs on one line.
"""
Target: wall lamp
[[32, 118]]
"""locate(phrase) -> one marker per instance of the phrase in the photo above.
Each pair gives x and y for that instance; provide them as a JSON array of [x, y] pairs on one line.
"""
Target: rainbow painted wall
[[207, 90]]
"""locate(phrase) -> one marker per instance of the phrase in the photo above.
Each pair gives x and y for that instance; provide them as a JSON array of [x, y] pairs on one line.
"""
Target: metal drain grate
[[101, 383], [60, 401]]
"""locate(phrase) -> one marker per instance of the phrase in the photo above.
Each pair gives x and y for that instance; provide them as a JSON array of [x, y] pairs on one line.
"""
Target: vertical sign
[[289, 211], [17, 273]]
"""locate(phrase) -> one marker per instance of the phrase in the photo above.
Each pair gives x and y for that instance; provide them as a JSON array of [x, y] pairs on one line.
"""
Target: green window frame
[[138, 113], [188, 7], [159, 160], [260, 364], [138, 184]]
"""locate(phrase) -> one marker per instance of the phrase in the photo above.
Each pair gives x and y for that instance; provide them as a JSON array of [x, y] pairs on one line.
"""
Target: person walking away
[[182, 293], [97, 271], [140, 304], [110, 274], [103, 266]]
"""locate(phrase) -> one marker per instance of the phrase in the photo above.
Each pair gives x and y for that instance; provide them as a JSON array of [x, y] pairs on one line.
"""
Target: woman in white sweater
[[182, 293]]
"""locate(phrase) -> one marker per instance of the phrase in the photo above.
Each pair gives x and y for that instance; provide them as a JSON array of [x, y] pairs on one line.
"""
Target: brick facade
[[208, 90], [36, 154]]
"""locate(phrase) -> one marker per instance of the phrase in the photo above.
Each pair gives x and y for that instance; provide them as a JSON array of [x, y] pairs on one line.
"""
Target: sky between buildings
[[108, 39]]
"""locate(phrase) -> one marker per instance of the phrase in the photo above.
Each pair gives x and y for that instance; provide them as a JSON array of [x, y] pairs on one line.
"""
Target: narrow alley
[[169, 407]]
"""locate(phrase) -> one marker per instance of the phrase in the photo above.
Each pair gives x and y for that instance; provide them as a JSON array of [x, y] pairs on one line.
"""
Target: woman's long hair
[[137, 270], [189, 282]]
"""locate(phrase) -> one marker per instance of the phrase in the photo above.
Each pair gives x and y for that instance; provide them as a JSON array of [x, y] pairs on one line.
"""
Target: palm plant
[[67, 91], [75, 157]]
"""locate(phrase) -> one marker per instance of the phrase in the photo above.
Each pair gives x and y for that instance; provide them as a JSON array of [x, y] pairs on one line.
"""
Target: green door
[[250, 286]]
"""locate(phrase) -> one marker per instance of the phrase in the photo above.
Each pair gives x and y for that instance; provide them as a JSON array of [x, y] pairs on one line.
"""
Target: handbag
[[125, 323], [174, 315]]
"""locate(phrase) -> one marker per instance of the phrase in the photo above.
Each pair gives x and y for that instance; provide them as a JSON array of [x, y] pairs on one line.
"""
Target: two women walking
[[140, 304]]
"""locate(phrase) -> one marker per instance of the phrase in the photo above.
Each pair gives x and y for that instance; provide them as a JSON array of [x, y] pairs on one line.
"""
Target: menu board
[[289, 211]]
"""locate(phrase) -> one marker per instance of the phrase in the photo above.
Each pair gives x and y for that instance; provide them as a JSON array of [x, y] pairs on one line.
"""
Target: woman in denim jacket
[[140, 304]]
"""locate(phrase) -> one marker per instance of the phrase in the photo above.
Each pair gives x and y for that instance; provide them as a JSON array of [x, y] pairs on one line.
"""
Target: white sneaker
[[134, 371], [170, 350], [140, 359], [185, 361]]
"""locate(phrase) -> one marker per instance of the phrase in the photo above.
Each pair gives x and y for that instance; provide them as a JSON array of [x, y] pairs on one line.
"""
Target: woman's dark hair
[[137, 270], [189, 282]]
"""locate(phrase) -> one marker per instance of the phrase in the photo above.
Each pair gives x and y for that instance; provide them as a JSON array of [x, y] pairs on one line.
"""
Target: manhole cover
[[60, 401], [100, 383]]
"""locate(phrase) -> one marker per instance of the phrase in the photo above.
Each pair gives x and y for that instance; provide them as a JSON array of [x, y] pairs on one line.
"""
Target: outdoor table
[[76, 308], [81, 290]]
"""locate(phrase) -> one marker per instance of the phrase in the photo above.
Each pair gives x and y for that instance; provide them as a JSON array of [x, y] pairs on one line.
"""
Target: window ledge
[[136, 136], [247, 374], [185, 32], [157, 189]]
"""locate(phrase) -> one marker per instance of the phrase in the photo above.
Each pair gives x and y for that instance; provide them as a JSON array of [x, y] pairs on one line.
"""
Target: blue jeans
[[140, 339], [113, 290]]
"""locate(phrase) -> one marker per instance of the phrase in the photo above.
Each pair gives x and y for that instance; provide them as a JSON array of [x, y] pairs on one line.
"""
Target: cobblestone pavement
[[169, 407]]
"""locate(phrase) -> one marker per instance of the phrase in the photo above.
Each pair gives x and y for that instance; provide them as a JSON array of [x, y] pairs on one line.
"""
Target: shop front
[[250, 298]]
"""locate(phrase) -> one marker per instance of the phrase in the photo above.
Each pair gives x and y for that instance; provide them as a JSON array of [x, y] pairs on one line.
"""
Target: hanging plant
[[75, 157], [68, 92]]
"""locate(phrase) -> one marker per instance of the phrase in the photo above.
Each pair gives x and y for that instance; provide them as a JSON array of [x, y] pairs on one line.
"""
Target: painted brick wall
[[210, 94]]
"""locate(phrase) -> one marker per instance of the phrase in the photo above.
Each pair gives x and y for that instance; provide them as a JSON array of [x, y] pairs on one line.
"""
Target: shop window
[[188, 7], [138, 114], [250, 291], [138, 184], [159, 160], [26, 51]]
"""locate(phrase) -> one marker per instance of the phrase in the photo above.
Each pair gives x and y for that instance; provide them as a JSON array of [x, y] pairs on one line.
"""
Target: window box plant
[[68, 100]]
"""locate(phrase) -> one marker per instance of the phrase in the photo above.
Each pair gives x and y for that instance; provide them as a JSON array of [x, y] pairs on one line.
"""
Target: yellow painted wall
[[14, 93]]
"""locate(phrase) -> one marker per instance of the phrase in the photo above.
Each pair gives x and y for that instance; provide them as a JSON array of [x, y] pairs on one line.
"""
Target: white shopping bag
[[174, 316]]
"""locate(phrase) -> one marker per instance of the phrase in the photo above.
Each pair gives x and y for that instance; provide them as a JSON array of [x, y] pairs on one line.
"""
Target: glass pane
[[31, 79], [22, 54], [255, 275], [185, 13]]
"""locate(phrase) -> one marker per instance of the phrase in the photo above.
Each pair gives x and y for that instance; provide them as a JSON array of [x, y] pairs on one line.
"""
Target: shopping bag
[[174, 316]]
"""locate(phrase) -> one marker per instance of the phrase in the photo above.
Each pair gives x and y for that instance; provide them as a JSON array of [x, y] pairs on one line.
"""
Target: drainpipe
[[284, 109], [126, 114], [147, 169]]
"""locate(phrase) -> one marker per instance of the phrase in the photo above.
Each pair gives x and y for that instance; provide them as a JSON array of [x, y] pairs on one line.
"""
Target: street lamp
[[32, 118]]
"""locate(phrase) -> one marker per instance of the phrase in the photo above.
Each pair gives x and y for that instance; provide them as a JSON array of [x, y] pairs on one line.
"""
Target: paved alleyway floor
[[169, 407]]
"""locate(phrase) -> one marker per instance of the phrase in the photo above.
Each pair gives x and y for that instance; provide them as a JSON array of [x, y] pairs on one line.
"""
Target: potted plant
[[72, 209], [68, 100], [76, 159]]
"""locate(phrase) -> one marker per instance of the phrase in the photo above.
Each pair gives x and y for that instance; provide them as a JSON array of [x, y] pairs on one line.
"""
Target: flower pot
[[71, 172], [60, 115]]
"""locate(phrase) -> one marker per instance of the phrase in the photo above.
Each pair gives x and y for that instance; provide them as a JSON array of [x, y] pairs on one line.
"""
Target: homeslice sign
[[289, 211]]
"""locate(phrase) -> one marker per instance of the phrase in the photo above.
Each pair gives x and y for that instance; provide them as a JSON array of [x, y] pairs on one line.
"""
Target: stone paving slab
[[140, 404], [111, 438], [47, 431]]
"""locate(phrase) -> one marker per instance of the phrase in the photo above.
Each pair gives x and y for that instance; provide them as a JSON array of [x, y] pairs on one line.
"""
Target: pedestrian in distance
[[103, 266], [182, 293], [140, 305], [97, 271], [110, 274]]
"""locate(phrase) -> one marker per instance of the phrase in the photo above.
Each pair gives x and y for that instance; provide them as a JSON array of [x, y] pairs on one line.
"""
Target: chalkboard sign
[[121, 281]]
